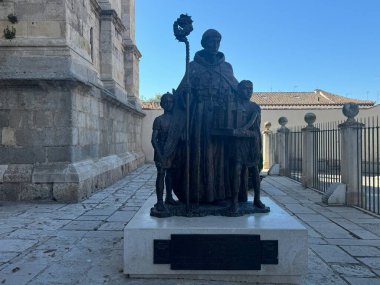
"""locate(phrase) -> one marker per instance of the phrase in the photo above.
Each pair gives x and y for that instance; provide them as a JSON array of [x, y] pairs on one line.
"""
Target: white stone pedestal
[[276, 225]]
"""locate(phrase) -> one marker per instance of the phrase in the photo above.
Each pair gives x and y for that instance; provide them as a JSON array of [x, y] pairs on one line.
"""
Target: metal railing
[[326, 156], [369, 182], [294, 152]]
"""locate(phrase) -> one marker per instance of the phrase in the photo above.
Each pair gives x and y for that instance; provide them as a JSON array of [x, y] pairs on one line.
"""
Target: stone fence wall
[[345, 153]]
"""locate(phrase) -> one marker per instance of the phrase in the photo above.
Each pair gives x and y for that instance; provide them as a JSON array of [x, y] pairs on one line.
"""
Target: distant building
[[317, 99]]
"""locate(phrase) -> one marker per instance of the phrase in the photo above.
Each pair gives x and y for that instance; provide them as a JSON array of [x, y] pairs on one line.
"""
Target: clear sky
[[280, 45]]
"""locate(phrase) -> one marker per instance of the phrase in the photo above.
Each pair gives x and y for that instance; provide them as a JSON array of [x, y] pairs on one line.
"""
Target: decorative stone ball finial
[[282, 121], [350, 110], [267, 125], [310, 119]]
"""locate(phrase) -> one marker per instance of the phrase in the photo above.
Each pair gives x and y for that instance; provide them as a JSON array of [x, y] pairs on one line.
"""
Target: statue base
[[258, 248]]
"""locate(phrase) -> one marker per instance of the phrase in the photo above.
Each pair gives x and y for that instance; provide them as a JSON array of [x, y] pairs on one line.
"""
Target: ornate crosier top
[[182, 27]]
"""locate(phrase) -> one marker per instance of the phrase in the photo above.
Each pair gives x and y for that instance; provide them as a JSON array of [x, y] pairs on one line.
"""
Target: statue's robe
[[212, 85]]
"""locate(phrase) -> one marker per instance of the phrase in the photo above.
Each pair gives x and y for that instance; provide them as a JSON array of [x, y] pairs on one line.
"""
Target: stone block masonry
[[68, 126]]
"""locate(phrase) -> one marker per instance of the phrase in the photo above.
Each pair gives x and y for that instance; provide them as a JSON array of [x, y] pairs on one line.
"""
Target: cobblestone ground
[[51, 243]]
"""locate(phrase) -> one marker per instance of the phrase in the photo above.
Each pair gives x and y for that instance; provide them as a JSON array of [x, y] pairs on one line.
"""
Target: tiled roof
[[290, 100], [315, 99], [151, 105]]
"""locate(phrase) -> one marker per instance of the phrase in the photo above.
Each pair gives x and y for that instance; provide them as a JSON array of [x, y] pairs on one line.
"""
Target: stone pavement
[[51, 243]]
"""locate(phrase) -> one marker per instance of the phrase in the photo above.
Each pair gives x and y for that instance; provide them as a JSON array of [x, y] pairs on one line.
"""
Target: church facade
[[70, 116]]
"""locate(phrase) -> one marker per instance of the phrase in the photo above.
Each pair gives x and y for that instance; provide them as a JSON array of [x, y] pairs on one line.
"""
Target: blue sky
[[280, 45]]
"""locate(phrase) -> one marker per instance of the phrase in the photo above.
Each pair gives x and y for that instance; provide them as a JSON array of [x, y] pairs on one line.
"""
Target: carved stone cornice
[[111, 15], [132, 48]]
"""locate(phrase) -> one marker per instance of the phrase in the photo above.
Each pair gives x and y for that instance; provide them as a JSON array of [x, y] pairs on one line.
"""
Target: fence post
[[308, 149], [350, 132], [282, 146], [267, 159]]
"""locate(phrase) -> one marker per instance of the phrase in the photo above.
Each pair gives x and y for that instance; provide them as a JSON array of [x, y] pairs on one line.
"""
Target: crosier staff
[[182, 27]]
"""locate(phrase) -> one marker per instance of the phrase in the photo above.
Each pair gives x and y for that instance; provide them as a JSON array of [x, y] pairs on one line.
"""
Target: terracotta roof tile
[[290, 100], [150, 105], [316, 99]]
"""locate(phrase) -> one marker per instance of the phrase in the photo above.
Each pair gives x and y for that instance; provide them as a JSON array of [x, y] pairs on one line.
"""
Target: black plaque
[[161, 251], [269, 252], [215, 252]]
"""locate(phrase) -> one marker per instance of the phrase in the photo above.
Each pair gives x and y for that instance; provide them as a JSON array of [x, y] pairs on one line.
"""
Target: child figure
[[164, 163], [246, 149]]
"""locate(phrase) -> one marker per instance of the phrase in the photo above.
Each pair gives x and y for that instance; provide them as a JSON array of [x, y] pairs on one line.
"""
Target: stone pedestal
[[267, 154], [282, 146], [308, 141], [142, 230], [350, 133]]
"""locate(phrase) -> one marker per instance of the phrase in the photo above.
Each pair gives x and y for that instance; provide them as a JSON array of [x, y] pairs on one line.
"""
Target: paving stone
[[121, 216], [312, 218], [362, 250], [318, 278], [21, 272], [7, 256], [316, 265], [63, 273], [364, 234], [352, 270], [363, 281], [92, 218], [315, 240], [332, 253], [329, 214], [373, 262], [101, 211], [329, 230], [83, 225], [374, 228], [352, 241], [344, 223], [16, 245], [27, 233], [112, 226], [367, 220]]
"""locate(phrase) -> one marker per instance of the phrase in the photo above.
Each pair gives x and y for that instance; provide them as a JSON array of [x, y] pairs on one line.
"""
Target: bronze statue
[[246, 146], [212, 85], [208, 138], [165, 162]]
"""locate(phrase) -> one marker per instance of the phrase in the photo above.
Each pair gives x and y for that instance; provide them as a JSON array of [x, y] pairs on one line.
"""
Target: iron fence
[[369, 186], [326, 155], [294, 153]]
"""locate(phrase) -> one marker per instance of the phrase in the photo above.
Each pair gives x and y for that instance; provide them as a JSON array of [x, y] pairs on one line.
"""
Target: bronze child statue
[[165, 163], [246, 148]]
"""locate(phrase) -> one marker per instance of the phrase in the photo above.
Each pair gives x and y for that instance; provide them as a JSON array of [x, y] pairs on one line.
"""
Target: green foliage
[[157, 97]]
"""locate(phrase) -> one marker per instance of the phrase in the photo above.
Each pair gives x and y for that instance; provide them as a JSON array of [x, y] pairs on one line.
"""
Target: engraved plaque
[[215, 252]]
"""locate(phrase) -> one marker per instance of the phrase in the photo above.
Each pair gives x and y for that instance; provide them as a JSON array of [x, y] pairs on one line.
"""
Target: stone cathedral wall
[[68, 127]]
